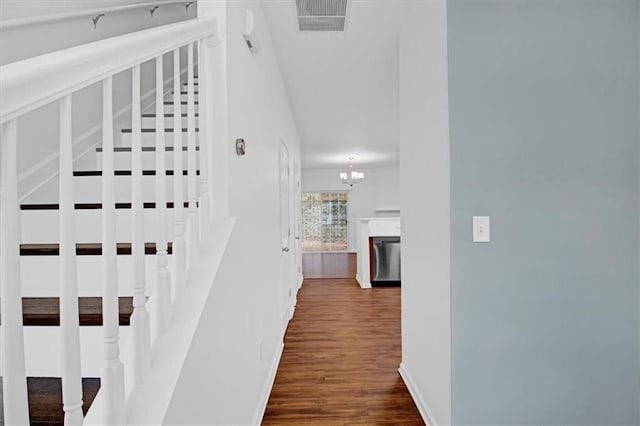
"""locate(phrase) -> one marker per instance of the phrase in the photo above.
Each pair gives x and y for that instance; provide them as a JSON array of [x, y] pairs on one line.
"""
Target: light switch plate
[[481, 229]]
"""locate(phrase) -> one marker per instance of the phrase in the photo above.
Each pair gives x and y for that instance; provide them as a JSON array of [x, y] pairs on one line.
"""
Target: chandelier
[[351, 177]]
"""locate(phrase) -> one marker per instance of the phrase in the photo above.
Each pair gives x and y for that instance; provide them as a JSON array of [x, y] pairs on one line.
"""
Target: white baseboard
[[46, 169], [292, 310], [361, 284], [423, 408], [259, 414]]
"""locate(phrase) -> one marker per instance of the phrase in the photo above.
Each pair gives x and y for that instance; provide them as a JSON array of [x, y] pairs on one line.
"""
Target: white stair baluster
[[193, 237], [69, 323], [179, 242], [203, 137], [141, 336], [112, 382], [14, 380], [163, 283]]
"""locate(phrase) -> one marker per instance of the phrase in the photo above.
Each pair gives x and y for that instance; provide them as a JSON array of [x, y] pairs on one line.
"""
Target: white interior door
[[285, 234]]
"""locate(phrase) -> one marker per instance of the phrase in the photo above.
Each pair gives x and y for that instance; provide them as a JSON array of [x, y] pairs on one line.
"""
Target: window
[[324, 218]]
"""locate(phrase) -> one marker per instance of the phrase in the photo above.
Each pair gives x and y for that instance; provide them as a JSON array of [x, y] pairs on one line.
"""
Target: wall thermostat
[[241, 147]]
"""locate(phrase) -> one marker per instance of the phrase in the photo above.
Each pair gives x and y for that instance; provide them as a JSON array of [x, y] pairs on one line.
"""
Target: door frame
[[284, 189]]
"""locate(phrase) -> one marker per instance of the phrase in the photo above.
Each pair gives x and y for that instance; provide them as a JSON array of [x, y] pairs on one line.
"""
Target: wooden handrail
[[34, 82], [35, 20]]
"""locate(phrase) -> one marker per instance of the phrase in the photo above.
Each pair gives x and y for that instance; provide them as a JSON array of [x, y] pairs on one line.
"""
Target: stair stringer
[[148, 403]]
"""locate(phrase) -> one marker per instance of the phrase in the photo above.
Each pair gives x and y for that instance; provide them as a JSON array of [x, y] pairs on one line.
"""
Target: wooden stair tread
[[144, 149], [153, 130], [45, 311], [80, 173], [181, 103], [84, 249], [92, 206], [167, 114]]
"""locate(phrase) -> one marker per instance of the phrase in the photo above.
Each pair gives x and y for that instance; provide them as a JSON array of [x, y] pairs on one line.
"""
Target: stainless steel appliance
[[386, 261]]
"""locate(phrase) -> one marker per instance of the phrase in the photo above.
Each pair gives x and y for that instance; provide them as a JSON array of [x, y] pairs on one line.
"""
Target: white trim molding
[[423, 407], [361, 283], [262, 406]]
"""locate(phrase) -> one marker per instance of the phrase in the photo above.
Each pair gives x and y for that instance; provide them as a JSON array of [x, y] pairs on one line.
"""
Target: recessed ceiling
[[343, 86]]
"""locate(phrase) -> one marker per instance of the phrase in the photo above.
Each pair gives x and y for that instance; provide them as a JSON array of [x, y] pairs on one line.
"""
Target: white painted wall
[[33, 40], [379, 189], [38, 131], [228, 373], [424, 166]]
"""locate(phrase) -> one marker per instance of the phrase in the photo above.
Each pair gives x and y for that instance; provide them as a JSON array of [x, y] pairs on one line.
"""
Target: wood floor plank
[[340, 361], [329, 265]]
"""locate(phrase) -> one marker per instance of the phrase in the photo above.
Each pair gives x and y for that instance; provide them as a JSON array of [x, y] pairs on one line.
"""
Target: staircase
[[101, 255], [39, 227]]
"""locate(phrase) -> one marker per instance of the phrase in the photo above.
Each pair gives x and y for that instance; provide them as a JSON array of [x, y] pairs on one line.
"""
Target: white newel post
[[69, 323], [163, 283], [141, 336], [179, 242], [112, 382], [205, 127], [14, 380], [215, 59], [192, 214]]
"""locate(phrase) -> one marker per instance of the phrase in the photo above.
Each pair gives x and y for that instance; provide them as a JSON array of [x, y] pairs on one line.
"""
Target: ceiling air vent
[[321, 15]]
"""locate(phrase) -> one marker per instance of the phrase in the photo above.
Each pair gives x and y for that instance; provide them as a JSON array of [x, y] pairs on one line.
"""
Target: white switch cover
[[481, 229]]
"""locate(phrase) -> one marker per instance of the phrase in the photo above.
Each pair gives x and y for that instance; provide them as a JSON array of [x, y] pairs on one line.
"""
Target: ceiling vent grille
[[321, 15]]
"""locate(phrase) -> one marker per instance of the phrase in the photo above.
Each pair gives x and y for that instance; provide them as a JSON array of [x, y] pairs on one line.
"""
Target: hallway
[[340, 361]]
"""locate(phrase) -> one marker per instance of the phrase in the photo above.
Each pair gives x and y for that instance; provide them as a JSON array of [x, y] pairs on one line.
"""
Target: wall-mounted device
[[481, 229], [249, 33], [241, 147]]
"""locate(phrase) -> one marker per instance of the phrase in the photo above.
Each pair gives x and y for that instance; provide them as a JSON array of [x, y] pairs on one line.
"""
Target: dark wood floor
[[329, 265], [339, 366]]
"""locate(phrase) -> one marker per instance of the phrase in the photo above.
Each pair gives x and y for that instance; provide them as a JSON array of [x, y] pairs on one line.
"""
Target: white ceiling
[[343, 86]]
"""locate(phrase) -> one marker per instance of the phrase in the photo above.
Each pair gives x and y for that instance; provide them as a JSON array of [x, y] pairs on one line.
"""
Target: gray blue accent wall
[[544, 139]]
